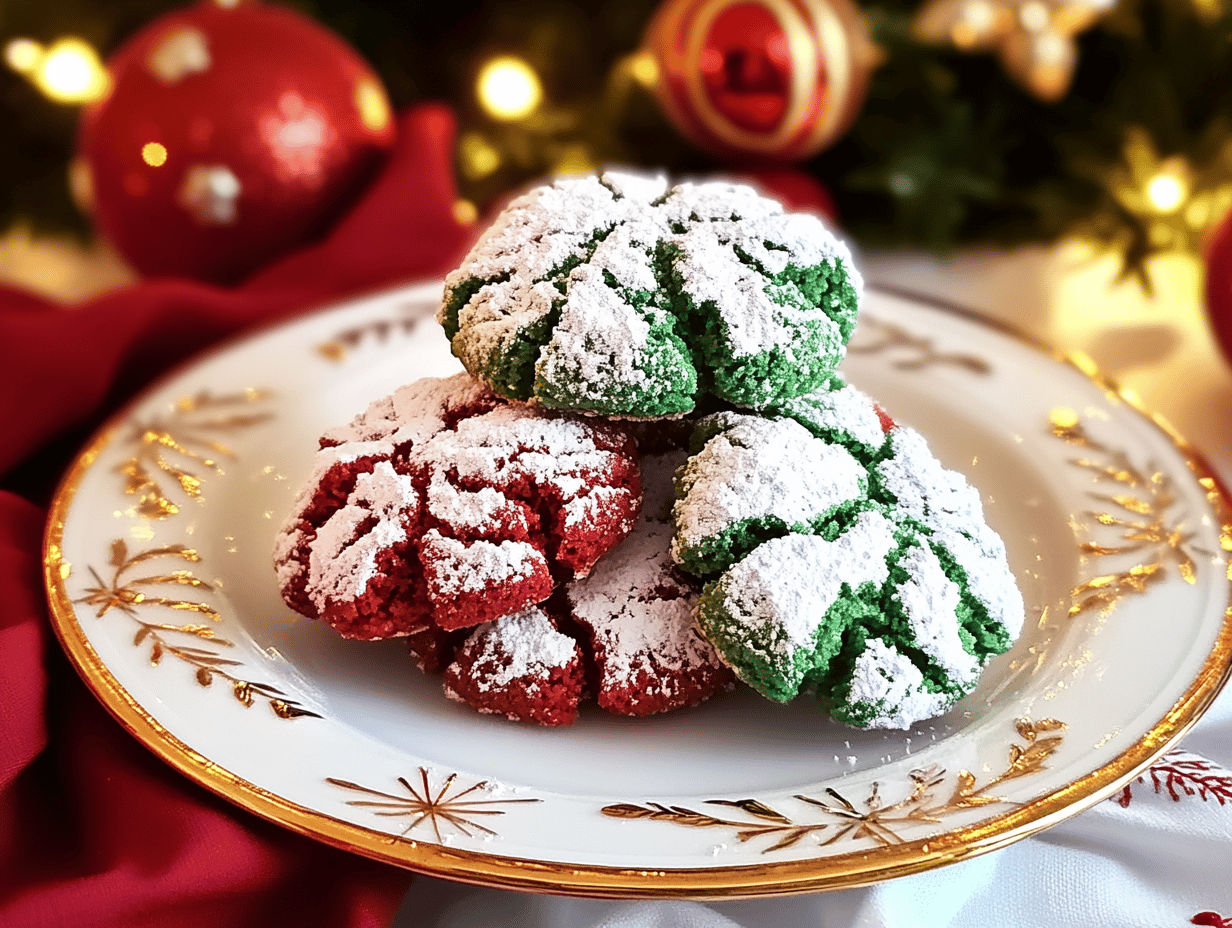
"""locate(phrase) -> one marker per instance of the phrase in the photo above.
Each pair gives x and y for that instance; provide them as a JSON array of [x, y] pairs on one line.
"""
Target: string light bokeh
[[68, 71], [508, 88]]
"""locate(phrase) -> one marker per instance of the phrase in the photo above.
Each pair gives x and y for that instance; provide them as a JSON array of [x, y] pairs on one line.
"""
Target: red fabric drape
[[94, 830]]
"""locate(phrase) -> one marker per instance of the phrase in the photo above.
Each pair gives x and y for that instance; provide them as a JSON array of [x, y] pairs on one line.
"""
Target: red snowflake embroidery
[[1212, 920], [1182, 773]]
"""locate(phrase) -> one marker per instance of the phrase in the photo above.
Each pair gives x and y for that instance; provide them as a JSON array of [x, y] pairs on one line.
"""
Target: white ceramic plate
[[161, 587]]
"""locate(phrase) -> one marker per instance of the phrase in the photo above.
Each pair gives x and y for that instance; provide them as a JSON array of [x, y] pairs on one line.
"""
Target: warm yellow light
[[1063, 418], [976, 23], [1166, 192], [1034, 16], [154, 154], [478, 157], [644, 68], [465, 212], [70, 72], [373, 105], [1198, 214], [508, 88], [23, 55], [81, 184]]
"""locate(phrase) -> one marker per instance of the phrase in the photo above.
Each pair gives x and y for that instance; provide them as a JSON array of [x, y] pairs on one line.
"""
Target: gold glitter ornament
[[1033, 38]]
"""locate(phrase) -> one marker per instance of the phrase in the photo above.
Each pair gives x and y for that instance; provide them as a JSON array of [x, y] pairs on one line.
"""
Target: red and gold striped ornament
[[771, 80]]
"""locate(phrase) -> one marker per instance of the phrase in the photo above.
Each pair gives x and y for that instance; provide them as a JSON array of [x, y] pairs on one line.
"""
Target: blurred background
[[932, 125]]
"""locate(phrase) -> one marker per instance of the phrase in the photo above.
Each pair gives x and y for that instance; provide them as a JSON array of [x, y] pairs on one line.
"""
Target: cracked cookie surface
[[444, 505], [842, 558], [624, 636], [621, 296]]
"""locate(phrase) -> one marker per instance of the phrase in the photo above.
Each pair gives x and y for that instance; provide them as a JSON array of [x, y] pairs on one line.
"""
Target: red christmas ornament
[[231, 135], [771, 80], [1219, 286]]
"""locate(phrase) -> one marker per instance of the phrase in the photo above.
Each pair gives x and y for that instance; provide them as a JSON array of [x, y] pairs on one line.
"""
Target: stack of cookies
[[652, 481]]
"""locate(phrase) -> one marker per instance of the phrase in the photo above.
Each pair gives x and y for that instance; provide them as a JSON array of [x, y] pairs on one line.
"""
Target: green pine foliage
[[948, 149]]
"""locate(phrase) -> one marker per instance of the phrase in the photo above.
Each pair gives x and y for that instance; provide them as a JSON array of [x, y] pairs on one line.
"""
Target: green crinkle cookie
[[754, 479], [621, 296], [886, 597]]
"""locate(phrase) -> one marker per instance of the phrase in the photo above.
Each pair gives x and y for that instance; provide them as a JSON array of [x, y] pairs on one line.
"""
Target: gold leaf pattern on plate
[[876, 821], [338, 348], [181, 446], [448, 804], [132, 596], [1138, 502], [876, 336]]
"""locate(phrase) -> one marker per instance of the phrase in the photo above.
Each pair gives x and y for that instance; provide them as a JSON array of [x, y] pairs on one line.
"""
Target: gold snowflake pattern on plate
[[448, 804], [135, 596], [876, 821], [1139, 504], [182, 445]]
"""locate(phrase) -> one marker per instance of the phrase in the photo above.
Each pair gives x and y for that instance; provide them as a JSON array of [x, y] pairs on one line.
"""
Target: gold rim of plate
[[842, 871]]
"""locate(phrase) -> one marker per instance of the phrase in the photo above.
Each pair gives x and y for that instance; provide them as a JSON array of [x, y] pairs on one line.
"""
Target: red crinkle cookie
[[629, 622], [432, 647], [444, 505], [519, 666], [637, 611]]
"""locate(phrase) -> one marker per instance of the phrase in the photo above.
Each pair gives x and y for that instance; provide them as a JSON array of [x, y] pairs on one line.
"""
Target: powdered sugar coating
[[442, 500], [802, 576], [771, 472], [519, 666], [923, 489], [840, 414], [908, 561], [414, 413], [639, 614], [930, 602], [478, 512], [475, 566], [344, 558], [632, 622], [768, 613], [621, 296], [526, 645], [887, 689]]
